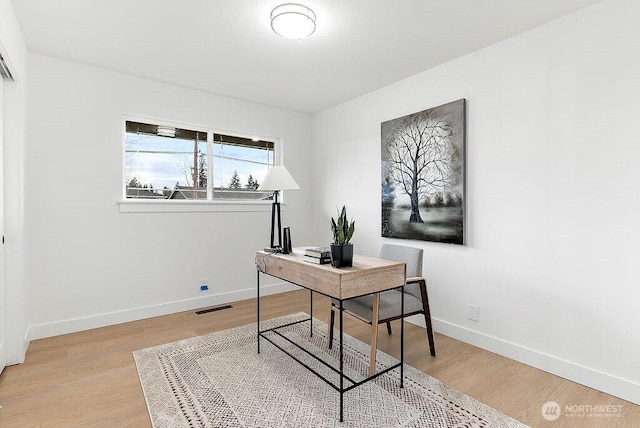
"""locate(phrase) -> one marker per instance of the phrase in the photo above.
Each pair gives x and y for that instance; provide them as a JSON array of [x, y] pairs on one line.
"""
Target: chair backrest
[[410, 255]]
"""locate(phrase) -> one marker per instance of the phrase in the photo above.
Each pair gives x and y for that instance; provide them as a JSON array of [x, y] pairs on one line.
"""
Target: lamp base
[[276, 222]]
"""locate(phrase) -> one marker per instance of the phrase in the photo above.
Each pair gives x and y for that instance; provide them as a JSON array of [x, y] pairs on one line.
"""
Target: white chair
[[388, 308]]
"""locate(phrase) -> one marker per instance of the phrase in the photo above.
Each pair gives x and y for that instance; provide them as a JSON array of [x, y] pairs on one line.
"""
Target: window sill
[[137, 206]]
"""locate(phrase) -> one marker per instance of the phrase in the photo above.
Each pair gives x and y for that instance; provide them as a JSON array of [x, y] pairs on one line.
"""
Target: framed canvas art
[[423, 162]]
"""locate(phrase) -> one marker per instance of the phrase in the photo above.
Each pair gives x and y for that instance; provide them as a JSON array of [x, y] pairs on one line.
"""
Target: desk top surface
[[367, 275]]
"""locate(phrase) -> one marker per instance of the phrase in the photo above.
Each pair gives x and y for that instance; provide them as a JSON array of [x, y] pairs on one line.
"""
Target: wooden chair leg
[[374, 333], [427, 317], [389, 328], [332, 319], [432, 345]]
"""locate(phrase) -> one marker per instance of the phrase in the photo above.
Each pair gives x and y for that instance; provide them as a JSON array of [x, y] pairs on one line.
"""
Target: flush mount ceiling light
[[293, 21]]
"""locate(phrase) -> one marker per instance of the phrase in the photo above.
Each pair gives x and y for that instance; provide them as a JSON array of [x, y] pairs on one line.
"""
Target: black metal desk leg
[[341, 366], [258, 304], [402, 339], [311, 310]]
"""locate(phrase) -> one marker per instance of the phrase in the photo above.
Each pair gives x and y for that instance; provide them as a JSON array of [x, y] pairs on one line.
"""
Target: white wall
[[552, 193], [15, 54], [92, 264]]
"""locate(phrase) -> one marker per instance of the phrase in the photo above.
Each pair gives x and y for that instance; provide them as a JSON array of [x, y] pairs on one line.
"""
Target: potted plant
[[341, 249]]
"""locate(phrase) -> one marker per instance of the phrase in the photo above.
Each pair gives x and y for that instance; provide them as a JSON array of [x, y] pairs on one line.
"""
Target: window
[[169, 163]]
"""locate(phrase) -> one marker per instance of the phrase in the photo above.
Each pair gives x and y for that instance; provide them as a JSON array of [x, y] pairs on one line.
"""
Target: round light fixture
[[293, 21]]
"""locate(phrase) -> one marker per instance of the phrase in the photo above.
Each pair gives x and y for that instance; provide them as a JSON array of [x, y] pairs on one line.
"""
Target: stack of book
[[320, 256]]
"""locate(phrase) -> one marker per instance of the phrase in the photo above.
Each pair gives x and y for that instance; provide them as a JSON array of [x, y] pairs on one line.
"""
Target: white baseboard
[[622, 388], [605, 382], [20, 352], [26, 341], [39, 331]]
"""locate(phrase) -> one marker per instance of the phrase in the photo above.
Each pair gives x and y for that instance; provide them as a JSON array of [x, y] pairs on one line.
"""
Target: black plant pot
[[342, 255]]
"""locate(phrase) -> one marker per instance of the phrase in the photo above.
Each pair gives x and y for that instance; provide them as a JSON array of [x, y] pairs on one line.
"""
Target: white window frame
[[191, 205]]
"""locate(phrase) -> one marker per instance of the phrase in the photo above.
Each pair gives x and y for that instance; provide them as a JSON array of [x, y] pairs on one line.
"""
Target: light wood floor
[[89, 379]]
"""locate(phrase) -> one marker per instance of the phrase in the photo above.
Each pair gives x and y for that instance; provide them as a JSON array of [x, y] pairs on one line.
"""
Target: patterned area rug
[[219, 380]]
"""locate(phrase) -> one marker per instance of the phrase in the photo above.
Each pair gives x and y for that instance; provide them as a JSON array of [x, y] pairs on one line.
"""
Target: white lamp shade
[[278, 178]]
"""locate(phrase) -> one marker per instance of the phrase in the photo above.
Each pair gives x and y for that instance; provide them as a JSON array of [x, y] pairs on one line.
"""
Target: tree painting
[[423, 175]]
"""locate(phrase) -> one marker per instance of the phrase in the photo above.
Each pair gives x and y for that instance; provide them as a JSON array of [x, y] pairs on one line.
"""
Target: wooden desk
[[368, 275]]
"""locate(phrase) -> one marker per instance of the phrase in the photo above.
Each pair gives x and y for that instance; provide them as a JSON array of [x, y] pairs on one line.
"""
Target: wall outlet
[[473, 312], [204, 284]]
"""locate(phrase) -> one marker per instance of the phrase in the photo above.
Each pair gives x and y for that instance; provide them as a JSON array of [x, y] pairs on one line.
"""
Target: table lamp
[[277, 179]]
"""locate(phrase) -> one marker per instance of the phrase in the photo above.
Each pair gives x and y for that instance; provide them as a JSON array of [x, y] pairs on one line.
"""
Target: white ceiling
[[227, 47]]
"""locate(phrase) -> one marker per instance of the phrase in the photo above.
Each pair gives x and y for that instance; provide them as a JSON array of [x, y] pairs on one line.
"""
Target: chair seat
[[389, 305], [416, 300]]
